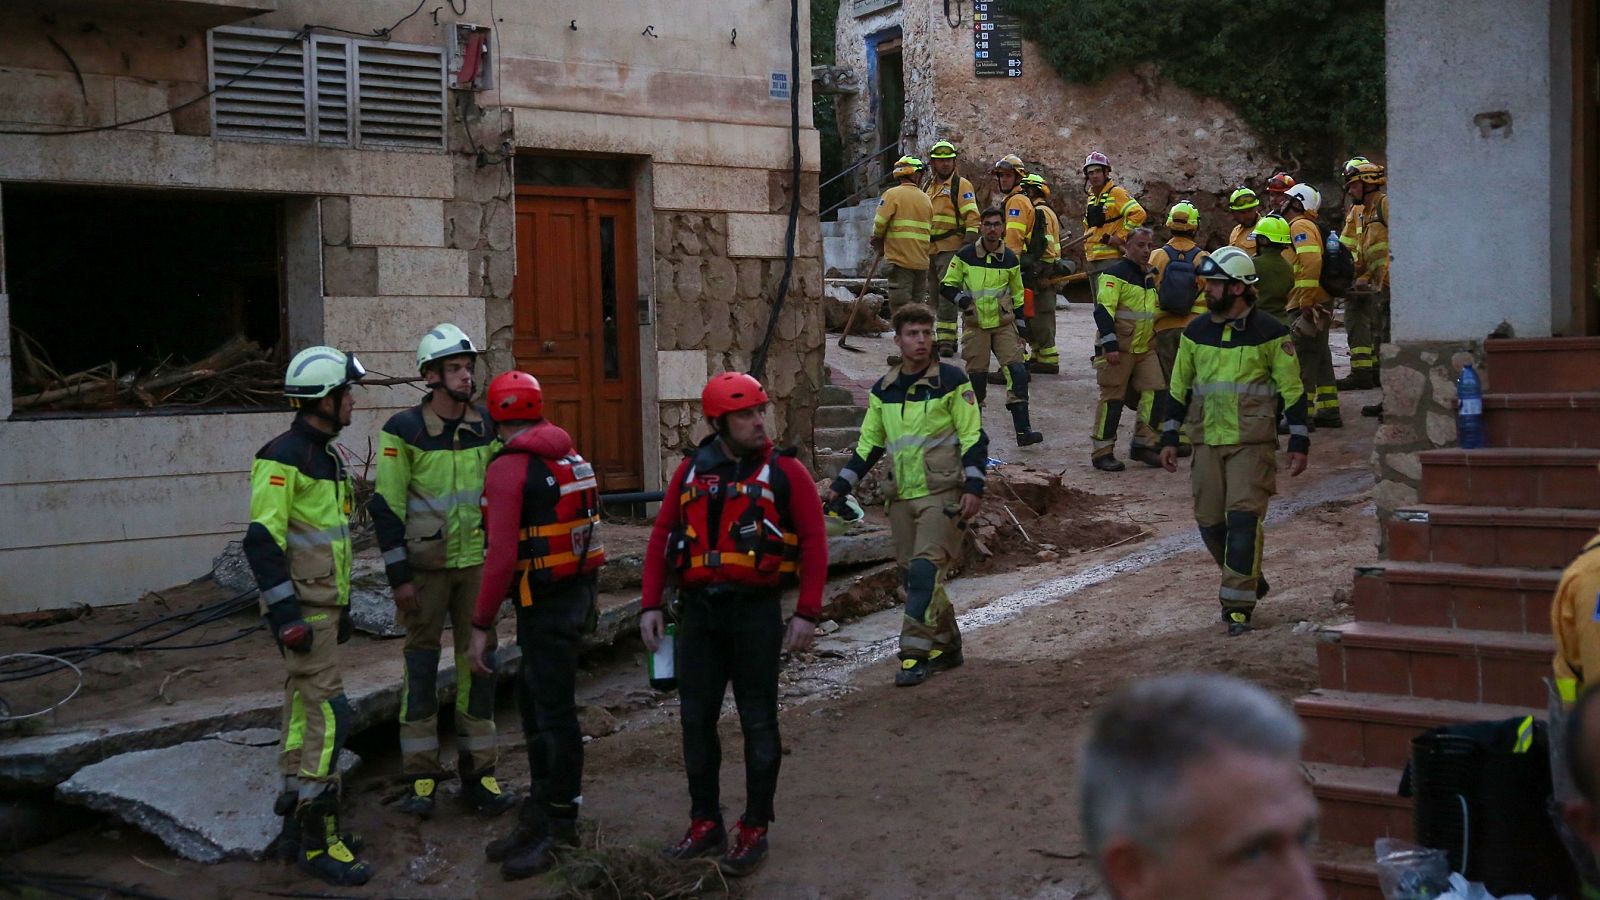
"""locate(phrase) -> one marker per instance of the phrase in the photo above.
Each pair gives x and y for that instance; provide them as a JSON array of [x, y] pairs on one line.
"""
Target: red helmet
[[515, 396], [731, 392], [1280, 182]]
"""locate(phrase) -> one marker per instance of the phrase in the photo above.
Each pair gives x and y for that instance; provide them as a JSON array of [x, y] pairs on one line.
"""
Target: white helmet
[[1228, 264], [442, 341], [1309, 199]]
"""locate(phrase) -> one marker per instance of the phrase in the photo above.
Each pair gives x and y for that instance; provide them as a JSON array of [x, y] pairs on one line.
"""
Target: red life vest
[[751, 546], [561, 541]]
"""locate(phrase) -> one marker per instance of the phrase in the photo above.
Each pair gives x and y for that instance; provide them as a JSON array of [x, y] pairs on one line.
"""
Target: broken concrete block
[[232, 571], [860, 547], [209, 800], [372, 609]]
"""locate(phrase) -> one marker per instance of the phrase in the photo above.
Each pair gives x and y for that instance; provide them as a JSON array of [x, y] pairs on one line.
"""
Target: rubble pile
[[1028, 516]]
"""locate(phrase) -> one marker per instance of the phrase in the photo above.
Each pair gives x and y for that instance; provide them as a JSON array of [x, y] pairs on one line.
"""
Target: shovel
[[857, 305]]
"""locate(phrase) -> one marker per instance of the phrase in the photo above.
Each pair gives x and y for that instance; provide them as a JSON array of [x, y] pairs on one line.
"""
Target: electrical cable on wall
[[758, 361]]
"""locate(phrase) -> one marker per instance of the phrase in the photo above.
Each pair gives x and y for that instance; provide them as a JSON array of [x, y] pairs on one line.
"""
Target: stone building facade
[[677, 116]]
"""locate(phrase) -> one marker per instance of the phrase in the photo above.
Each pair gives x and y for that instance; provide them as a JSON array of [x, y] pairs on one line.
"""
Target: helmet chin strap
[[315, 412], [452, 393]]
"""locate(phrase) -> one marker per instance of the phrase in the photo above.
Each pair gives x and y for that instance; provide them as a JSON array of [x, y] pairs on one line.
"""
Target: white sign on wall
[[860, 8]]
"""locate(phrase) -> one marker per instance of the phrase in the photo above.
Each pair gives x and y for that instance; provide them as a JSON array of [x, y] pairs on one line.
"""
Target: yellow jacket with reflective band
[[1019, 221], [930, 431], [903, 221], [1243, 237], [1350, 234], [426, 509], [1046, 217], [993, 279], [298, 541], [953, 217], [1123, 214], [1305, 239], [1373, 261], [1158, 261], [1575, 623], [1228, 379], [1125, 307]]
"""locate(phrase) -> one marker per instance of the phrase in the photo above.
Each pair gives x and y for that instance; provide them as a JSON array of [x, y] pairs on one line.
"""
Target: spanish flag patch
[[391, 451], [275, 480]]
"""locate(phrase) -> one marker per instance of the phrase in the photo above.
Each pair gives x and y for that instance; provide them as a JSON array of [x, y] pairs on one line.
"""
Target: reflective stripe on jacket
[[1166, 321], [1228, 379], [993, 279], [1019, 221], [425, 508], [930, 430], [298, 541], [1052, 233], [1123, 214], [1374, 259], [1305, 240], [903, 221], [953, 217], [1125, 308]]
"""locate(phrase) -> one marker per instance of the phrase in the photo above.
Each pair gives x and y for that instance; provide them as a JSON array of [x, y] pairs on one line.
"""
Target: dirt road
[[962, 787]]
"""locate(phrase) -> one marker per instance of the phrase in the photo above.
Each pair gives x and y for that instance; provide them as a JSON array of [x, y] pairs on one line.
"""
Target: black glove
[[289, 628], [346, 627], [1022, 328], [964, 301]]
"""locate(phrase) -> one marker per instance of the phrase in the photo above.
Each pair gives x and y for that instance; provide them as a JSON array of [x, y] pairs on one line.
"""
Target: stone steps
[[840, 416], [1570, 419], [1511, 476], [1533, 365], [1436, 663], [1375, 730], [1499, 536], [1448, 595]]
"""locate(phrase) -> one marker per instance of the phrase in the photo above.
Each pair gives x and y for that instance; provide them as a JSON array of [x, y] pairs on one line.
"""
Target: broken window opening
[[130, 301]]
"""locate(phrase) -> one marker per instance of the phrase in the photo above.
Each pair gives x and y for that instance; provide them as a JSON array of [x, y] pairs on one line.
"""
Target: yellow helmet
[[1351, 165], [1183, 217], [1011, 163], [1367, 173], [907, 166], [1037, 182], [1272, 228], [942, 150], [1243, 199]]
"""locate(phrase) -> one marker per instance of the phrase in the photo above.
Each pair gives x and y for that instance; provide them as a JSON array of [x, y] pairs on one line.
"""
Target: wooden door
[[574, 322]]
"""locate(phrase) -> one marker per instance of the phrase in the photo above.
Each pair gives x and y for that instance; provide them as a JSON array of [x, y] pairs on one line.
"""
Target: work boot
[[945, 660], [705, 837], [1373, 410], [1025, 433], [482, 793], [1147, 455], [912, 673], [1238, 623], [1357, 380], [1043, 368], [533, 823], [1328, 420], [1107, 463], [323, 851], [748, 850], [946, 349], [541, 855], [420, 801]]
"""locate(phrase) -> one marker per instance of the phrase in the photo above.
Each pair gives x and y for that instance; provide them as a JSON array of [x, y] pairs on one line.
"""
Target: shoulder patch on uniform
[[968, 195], [1014, 211], [275, 480], [1288, 348], [1597, 607], [391, 451], [1302, 236], [972, 400], [881, 201]]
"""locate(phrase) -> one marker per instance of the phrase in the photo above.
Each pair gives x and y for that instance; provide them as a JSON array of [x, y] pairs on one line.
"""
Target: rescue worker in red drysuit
[[739, 518], [542, 526]]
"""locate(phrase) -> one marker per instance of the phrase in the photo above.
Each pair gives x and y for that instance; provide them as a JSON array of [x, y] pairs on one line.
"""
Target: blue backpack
[[1179, 289]]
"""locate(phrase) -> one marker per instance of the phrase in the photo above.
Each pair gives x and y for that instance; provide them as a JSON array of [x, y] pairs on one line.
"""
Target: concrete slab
[[209, 800]]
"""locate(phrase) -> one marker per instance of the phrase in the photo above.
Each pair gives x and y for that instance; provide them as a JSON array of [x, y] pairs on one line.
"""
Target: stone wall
[[1419, 412]]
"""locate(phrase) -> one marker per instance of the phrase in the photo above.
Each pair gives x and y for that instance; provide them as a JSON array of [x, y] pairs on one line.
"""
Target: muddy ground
[[962, 787]]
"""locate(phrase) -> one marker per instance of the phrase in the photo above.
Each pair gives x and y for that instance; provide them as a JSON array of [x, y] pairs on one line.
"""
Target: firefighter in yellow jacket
[[1180, 256], [1366, 308], [1044, 246], [1245, 209], [1124, 314], [1311, 307], [1110, 214], [1575, 624], [1008, 175], [955, 225], [298, 547], [900, 231]]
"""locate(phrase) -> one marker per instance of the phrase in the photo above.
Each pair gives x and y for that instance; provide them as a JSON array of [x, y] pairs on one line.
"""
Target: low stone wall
[[1419, 412]]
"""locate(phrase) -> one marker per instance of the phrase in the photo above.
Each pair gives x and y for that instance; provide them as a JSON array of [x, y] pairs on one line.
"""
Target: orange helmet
[[515, 396], [1280, 182], [731, 392]]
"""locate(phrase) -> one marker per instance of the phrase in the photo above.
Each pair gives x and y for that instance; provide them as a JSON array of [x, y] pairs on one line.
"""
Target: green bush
[[1305, 75]]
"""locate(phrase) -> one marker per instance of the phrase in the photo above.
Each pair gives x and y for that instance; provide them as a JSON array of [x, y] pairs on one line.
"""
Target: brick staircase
[[1454, 626]]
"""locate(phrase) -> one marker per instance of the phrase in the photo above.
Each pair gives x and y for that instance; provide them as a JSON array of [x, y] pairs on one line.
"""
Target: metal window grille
[[327, 90]]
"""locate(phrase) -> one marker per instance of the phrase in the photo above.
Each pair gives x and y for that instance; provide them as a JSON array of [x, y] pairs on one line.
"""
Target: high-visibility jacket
[[1046, 218], [1350, 234], [1374, 256], [1159, 258], [556, 541], [301, 497], [1019, 221], [930, 430], [744, 542], [1243, 237], [1228, 379], [1306, 242], [994, 279], [1274, 281], [430, 478], [955, 213], [904, 221], [1575, 623], [1125, 307], [1122, 214]]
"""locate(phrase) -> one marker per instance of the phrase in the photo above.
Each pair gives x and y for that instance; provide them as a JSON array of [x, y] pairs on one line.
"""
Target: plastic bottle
[[1469, 417], [663, 675]]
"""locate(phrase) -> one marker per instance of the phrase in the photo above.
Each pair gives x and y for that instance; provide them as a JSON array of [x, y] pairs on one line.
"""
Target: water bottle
[[663, 676], [1469, 418]]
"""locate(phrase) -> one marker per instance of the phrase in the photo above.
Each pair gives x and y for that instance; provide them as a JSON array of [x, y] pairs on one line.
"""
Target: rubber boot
[[1043, 368], [1108, 463], [1025, 433], [482, 793], [542, 855], [420, 801], [912, 673], [323, 852], [1357, 380], [533, 824], [286, 846]]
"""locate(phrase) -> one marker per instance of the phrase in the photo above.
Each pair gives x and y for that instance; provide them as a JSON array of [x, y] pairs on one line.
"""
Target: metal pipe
[[859, 163], [624, 498]]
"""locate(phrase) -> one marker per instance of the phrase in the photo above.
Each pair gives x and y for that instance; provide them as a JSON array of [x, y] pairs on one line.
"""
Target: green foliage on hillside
[[1306, 75]]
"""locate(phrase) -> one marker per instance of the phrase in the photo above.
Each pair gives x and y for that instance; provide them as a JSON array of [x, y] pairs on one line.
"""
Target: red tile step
[[1516, 536], [1542, 420], [1361, 729], [1450, 595], [1439, 663], [1359, 805], [1531, 365], [1346, 871], [1512, 476]]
